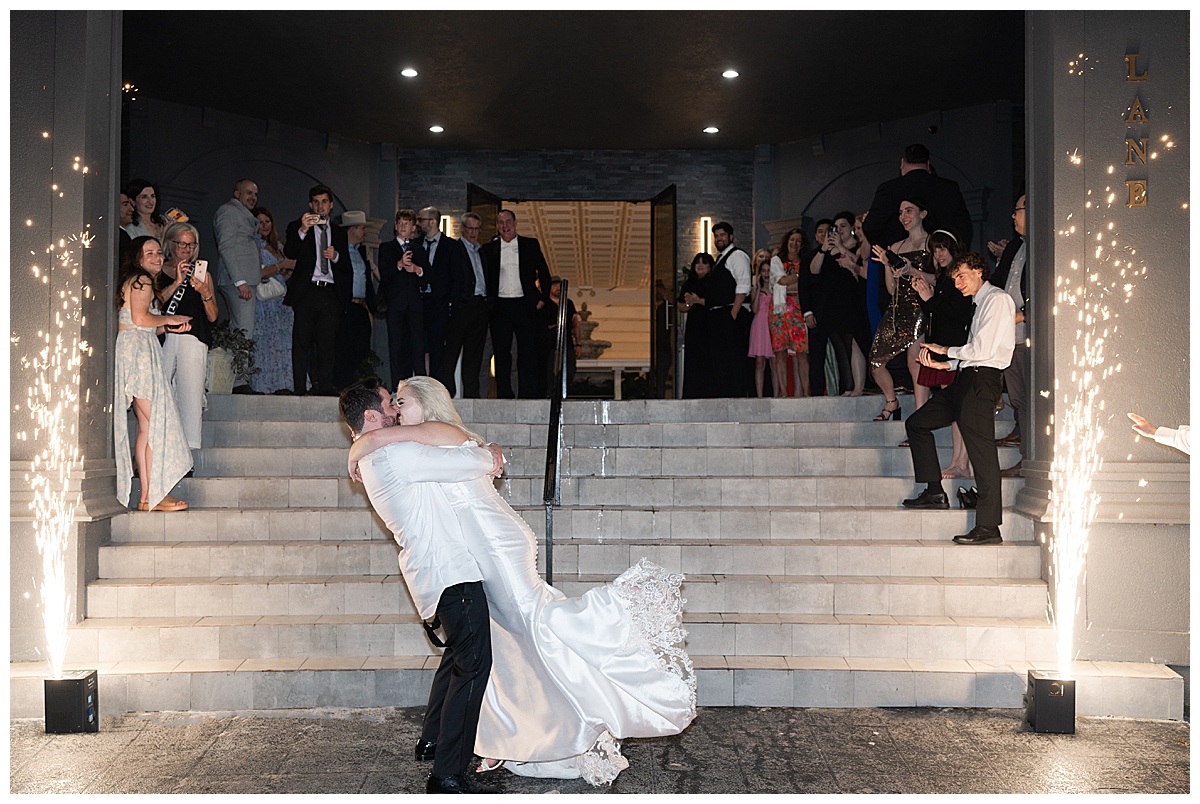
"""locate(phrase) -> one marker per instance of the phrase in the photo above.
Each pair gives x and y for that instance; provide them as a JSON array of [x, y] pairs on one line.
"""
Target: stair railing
[[552, 492]]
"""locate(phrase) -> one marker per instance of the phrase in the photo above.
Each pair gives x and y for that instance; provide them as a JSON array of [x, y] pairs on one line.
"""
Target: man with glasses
[[442, 255], [466, 333], [1012, 276], [239, 264]]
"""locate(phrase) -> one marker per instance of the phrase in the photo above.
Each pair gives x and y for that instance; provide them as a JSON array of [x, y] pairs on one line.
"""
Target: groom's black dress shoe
[[980, 534], [462, 783], [928, 499], [425, 750]]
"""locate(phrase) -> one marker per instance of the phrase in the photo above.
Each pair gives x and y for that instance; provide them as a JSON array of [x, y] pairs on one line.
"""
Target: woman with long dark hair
[[148, 220], [788, 331], [160, 450], [706, 297], [272, 319]]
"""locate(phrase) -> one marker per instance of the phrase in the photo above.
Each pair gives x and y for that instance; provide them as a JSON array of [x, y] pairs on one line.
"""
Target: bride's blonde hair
[[436, 403]]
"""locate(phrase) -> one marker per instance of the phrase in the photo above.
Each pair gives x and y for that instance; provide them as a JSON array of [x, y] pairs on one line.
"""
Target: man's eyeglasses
[[419, 220]]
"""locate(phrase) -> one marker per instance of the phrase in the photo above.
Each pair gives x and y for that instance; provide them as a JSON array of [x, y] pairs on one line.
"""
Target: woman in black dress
[[708, 342]]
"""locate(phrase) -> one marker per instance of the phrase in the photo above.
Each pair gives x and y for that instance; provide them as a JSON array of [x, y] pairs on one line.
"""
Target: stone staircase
[[806, 584]]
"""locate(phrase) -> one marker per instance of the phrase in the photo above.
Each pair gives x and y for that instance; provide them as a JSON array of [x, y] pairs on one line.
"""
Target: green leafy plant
[[240, 348]]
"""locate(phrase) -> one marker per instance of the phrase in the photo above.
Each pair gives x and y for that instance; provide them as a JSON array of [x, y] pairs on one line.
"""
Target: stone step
[[249, 559], [235, 407], [596, 523], [603, 461], [215, 596], [1117, 689], [332, 433], [653, 492]]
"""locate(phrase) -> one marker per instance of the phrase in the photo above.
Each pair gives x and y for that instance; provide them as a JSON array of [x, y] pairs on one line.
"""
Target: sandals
[[484, 767], [889, 412], [168, 503]]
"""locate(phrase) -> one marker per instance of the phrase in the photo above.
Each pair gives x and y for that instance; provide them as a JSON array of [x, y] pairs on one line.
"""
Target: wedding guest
[[917, 179], [812, 293], [125, 208], [160, 450], [736, 261], [706, 297], [846, 307], [761, 301], [789, 334], [147, 220], [549, 341], [185, 354], [1012, 276], [272, 318]]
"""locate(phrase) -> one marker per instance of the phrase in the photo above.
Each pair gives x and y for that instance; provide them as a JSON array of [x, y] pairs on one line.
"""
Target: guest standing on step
[[239, 266], [518, 283], [356, 290], [970, 401], [443, 256], [317, 246], [401, 268], [737, 262], [1012, 276]]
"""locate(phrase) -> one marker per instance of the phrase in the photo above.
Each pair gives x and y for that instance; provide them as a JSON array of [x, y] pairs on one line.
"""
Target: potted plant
[[230, 358]]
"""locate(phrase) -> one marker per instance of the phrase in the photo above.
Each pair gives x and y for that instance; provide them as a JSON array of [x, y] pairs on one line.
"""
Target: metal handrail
[[551, 493]]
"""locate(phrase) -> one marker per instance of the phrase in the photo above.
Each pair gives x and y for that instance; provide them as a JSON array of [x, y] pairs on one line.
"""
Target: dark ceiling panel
[[576, 79]]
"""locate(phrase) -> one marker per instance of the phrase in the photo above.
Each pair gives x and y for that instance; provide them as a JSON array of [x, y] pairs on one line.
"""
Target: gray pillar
[[1086, 72], [65, 104]]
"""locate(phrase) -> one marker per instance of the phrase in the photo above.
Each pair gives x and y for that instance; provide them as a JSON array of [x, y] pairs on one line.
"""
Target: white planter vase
[[220, 372]]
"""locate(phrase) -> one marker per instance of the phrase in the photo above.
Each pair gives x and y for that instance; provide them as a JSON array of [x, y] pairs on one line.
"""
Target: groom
[[402, 481]]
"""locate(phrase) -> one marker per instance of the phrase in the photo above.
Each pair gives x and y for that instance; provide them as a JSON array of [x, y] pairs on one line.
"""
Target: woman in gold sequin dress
[[903, 322]]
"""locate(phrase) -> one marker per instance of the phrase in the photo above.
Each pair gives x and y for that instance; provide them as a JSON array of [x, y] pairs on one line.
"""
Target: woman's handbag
[[270, 288]]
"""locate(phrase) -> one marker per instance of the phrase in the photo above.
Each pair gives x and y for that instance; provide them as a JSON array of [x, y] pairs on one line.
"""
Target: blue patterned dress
[[272, 336]]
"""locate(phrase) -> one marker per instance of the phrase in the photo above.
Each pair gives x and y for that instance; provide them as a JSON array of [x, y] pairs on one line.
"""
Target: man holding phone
[[316, 246], [239, 264]]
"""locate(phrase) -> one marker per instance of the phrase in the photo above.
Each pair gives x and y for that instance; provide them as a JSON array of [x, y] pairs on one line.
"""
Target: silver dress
[[903, 321]]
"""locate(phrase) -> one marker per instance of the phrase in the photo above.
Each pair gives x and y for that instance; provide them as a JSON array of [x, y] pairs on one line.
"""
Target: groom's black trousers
[[452, 717]]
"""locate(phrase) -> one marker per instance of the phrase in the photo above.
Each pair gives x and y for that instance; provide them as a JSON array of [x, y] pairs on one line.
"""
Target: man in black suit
[[467, 329], [317, 246], [946, 207], [442, 255], [357, 295], [1012, 276], [401, 267], [518, 284]]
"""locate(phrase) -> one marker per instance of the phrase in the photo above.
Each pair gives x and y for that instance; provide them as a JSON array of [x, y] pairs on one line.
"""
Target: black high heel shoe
[[889, 412], [968, 498]]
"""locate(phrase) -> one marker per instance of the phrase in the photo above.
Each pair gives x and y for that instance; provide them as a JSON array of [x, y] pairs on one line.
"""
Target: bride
[[570, 676]]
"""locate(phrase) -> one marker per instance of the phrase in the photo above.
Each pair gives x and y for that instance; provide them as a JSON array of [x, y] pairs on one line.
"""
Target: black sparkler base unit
[[1050, 703], [72, 703]]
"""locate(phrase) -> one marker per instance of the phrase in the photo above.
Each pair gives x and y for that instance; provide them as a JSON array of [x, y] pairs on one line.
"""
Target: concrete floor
[[726, 750]]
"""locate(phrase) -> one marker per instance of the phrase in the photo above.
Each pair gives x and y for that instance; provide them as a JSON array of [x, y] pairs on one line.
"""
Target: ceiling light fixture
[[436, 129], [730, 73], [408, 72], [711, 130]]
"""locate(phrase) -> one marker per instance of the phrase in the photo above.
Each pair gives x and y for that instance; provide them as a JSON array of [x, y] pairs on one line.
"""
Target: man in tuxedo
[[442, 255], [317, 246], [239, 263], [734, 259], [946, 207], [518, 284], [1012, 276], [466, 332], [357, 295], [444, 579], [401, 267], [970, 401]]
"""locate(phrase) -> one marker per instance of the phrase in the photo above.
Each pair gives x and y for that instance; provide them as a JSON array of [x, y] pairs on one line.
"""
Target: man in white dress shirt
[[970, 401], [737, 262], [403, 482]]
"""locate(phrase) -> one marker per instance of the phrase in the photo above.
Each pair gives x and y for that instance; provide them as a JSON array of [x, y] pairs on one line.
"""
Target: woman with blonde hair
[[570, 676]]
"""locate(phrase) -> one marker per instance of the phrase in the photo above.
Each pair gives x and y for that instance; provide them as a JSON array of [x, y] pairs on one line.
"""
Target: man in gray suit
[[239, 264]]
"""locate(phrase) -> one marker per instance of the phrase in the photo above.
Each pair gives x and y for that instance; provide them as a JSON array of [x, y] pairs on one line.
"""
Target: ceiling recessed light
[[730, 73], [711, 130], [408, 72], [436, 129]]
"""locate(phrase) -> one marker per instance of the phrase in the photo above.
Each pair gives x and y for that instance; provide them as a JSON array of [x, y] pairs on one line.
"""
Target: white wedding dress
[[570, 676]]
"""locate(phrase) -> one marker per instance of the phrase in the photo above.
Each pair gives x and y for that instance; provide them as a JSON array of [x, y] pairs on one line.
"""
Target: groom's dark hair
[[357, 399]]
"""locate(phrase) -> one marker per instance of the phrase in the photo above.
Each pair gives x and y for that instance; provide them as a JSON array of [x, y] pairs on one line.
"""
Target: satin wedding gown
[[571, 676]]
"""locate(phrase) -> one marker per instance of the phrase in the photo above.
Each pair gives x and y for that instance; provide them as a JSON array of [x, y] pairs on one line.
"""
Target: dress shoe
[[425, 750], [1013, 439], [245, 389], [980, 534], [928, 499], [1012, 471], [462, 783]]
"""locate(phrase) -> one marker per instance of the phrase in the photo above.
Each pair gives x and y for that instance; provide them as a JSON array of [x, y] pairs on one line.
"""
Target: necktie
[[321, 251]]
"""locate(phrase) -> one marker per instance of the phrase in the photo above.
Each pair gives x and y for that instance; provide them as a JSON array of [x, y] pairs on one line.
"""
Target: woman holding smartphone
[[181, 288], [160, 449], [904, 320]]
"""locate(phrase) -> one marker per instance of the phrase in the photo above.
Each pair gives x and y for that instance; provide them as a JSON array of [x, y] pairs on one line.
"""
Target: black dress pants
[[406, 341], [466, 333], [353, 344], [970, 401], [514, 318], [437, 318], [314, 336], [452, 716]]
